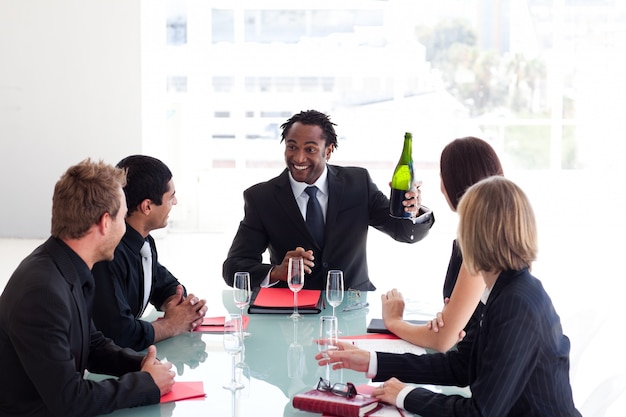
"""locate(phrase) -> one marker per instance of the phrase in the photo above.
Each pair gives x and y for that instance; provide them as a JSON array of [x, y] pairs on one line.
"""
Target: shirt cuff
[[422, 218], [402, 395], [372, 370], [266, 282]]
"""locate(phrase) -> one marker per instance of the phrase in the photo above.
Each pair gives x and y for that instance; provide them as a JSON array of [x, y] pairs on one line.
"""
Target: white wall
[[70, 88]]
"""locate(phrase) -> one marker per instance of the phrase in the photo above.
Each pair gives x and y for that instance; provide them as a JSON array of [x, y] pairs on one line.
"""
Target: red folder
[[280, 301], [184, 390]]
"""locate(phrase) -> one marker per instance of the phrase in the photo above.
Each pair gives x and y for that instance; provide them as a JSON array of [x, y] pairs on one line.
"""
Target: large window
[[534, 77]]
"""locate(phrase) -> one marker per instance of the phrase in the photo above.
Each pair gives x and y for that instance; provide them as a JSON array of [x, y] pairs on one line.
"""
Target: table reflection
[[295, 356], [187, 349], [280, 359]]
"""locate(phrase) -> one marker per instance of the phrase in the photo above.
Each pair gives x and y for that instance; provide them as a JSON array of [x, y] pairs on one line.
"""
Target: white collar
[[321, 183], [485, 296]]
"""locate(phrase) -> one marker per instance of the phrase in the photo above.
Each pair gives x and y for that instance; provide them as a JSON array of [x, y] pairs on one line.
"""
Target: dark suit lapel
[[286, 203], [335, 201]]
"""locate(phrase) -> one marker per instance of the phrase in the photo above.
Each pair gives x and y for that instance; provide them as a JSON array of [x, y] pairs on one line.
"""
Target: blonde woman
[[515, 358]]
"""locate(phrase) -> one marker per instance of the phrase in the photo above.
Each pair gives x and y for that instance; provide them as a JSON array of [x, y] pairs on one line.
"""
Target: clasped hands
[[185, 313]]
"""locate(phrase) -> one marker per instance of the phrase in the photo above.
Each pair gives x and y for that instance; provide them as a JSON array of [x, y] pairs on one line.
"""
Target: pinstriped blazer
[[515, 360]]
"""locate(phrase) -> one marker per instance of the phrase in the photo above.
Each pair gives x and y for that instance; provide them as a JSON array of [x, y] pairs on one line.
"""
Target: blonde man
[[47, 337]]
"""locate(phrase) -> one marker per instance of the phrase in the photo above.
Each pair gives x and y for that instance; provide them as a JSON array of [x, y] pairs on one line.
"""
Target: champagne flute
[[241, 287], [242, 293], [241, 297], [233, 343], [295, 280], [328, 335], [334, 288]]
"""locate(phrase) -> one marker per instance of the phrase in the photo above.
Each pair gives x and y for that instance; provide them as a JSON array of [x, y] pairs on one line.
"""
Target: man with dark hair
[[343, 200], [134, 278], [47, 337]]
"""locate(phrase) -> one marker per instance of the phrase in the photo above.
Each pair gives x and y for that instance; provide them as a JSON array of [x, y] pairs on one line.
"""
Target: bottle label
[[396, 209]]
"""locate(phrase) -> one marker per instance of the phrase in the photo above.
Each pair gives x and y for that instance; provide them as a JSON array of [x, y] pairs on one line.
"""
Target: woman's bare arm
[[455, 314]]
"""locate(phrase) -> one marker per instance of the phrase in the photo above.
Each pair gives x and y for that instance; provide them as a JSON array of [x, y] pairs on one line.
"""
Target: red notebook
[[183, 390], [385, 410], [315, 401], [280, 301]]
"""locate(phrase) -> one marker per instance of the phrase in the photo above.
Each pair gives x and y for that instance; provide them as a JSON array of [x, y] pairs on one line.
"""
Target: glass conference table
[[280, 358]]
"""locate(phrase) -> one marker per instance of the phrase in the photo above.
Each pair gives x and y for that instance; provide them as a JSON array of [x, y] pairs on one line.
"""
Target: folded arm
[[454, 316]]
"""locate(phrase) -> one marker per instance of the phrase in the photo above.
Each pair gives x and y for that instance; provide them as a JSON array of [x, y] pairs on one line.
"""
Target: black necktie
[[314, 216]]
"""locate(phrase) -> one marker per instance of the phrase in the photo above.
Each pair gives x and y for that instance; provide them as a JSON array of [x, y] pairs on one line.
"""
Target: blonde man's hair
[[82, 195], [497, 229]]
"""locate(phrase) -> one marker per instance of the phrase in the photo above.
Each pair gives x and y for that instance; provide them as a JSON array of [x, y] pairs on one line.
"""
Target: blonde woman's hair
[[497, 229]]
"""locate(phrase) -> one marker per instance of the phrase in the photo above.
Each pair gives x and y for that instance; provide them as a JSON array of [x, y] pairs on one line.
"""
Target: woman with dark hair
[[463, 162]]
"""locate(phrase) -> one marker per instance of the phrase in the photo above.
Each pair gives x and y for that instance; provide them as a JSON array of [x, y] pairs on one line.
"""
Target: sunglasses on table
[[347, 390]]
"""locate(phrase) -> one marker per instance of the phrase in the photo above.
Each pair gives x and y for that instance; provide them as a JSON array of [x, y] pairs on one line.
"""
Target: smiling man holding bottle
[[319, 211]]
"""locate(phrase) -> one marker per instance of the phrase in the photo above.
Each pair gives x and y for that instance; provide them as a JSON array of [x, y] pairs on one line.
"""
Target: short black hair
[[313, 117], [146, 177]]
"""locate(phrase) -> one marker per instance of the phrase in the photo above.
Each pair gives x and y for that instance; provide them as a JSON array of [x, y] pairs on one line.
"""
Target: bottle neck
[[407, 152]]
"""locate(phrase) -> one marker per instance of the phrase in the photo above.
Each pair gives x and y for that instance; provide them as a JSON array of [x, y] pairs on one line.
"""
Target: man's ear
[[104, 222], [145, 206], [329, 149]]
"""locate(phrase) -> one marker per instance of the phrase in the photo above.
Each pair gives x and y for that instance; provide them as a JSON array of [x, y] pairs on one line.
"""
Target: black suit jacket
[[48, 340], [273, 221], [515, 360]]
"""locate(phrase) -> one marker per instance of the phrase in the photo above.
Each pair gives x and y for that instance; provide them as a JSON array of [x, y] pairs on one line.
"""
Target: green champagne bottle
[[402, 179]]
